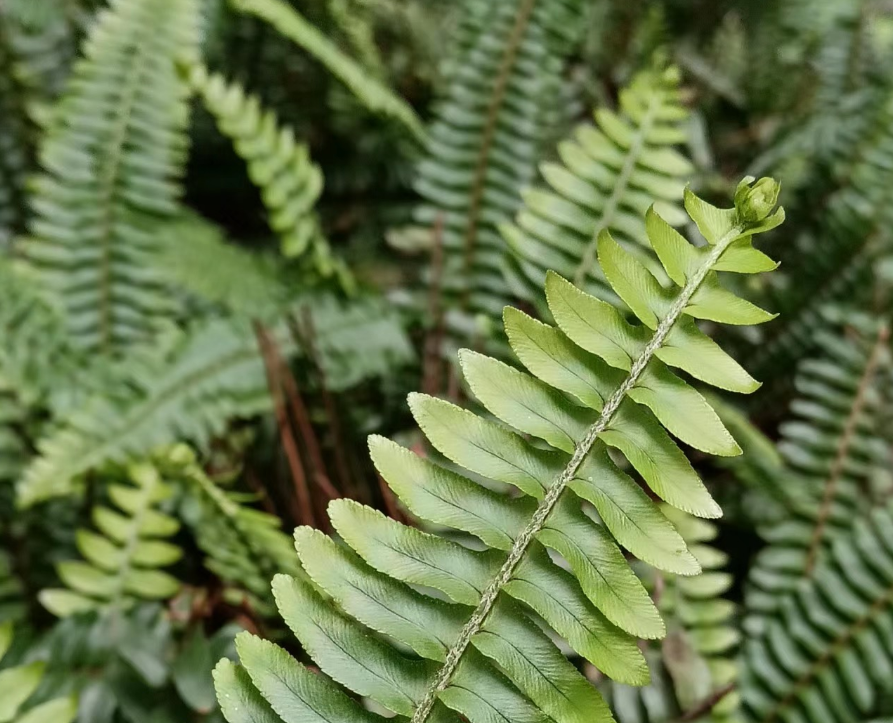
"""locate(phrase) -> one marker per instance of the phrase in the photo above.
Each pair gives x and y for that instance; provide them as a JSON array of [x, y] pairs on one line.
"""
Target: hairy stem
[[584, 446]]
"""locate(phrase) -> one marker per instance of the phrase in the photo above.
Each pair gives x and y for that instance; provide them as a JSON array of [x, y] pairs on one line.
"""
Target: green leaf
[[16, 686]]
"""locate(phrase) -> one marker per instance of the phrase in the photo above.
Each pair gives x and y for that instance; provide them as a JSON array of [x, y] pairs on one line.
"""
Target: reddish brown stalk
[[326, 486], [708, 704], [345, 479], [432, 362], [843, 450], [272, 364]]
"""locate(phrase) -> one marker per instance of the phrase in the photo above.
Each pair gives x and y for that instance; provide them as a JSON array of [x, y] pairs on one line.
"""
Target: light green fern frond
[[290, 183], [368, 89], [696, 661], [125, 553], [480, 654], [113, 157], [491, 129], [828, 653], [18, 684], [213, 375], [834, 447], [608, 176]]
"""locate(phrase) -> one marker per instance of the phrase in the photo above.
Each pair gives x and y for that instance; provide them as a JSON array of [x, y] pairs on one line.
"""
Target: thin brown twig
[[432, 363], [708, 704], [304, 511], [308, 338]]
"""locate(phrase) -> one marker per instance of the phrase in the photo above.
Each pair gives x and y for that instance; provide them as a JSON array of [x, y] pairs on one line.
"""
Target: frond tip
[[480, 655]]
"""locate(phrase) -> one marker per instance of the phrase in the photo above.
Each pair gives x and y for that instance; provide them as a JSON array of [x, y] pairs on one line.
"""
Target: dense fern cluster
[[236, 234]]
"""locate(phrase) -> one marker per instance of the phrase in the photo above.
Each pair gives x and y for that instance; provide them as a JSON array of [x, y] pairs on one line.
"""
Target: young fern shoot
[[481, 656]]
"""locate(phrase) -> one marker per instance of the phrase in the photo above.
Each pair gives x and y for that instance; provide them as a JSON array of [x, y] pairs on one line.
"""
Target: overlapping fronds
[[18, 684], [608, 175], [112, 157], [125, 553], [367, 88], [491, 130], [289, 182], [828, 654], [696, 662], [213, 375], [244, 547], [480, 655], [834, 447], [239, 282]]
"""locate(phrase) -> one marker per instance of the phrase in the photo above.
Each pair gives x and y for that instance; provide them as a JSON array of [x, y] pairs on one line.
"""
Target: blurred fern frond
[[112, 160]]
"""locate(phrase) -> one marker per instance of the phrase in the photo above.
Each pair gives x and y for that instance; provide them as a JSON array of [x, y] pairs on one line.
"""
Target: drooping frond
[[213, 375], [480, 655], [833, 447], [289, 182], [112, 157], [828, 654], [368, 89], [491, 129], [244, 547], [696, 661], [607, 176], [125, 553], [18, 684]]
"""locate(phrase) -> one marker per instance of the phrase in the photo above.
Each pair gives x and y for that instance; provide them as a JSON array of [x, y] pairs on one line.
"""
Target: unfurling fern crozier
[[433, 630]]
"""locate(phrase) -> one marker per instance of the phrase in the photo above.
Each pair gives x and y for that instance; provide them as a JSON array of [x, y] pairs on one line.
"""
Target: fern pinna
[[479, 655]]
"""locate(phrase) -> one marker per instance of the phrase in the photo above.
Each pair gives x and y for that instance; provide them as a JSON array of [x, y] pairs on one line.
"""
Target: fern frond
[[125, 554], [833, 447], [290, 183], [239, 282], [828, 654], [244, 547], [696, 660], [607, 177], [213, 375], [113, 157], [368, 89], [12, 607], [490, 131], [482, 657], [18, 684]]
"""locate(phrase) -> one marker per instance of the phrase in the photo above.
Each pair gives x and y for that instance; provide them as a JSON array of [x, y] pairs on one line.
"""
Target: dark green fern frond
[[608, 175], [833, 447], [212, 375], [290, 183], [113, 157], [696, 660], [12, 607], [491, 129], [480, 654], [125, 553], [244, 547], [18, 684], [368, 89], [828, 653]]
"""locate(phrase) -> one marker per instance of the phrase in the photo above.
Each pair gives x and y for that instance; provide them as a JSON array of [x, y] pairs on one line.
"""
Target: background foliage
[[236, 234]]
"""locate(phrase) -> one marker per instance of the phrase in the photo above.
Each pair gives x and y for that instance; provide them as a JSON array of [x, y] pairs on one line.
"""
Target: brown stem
[[432, 363], [708, 704], [304, 512]]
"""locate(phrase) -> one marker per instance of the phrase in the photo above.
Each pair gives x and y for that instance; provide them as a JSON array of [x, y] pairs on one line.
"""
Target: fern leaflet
[[619, 373]]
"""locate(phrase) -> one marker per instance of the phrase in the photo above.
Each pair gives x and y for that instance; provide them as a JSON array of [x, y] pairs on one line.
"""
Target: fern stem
[[483, 162], [629, 165], [548, 503], [843, 449]]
